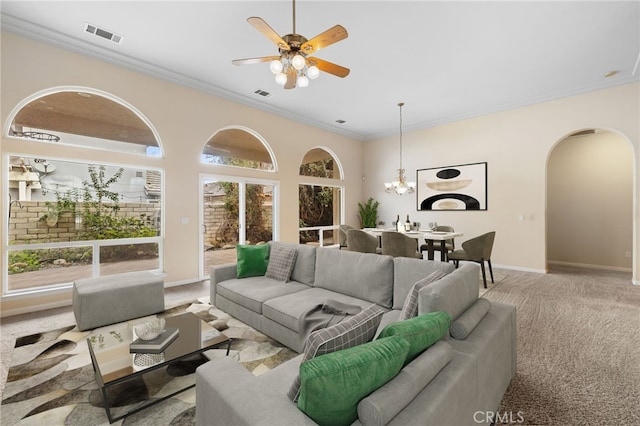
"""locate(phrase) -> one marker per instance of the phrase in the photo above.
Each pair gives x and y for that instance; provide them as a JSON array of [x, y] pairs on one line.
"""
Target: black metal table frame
[[105, 386]]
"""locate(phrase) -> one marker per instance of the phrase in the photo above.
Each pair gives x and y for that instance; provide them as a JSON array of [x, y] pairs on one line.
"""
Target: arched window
[[238, 147], [320, 205], [319, 162], [70, 215], [86, 118]]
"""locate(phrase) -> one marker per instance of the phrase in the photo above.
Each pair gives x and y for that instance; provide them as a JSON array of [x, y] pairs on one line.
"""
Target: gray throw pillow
[[410, 307], [464, 325], [351, 332], [281, 262]]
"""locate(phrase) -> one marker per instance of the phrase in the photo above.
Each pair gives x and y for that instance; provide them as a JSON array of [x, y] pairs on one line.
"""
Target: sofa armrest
[[228, 394], [219, 273]]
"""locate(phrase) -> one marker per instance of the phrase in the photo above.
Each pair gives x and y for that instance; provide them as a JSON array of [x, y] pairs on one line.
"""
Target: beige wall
[[184, 119], [590, 201], [517, 145]]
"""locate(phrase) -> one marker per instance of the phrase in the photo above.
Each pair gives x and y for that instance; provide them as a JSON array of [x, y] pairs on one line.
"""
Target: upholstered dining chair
[[342, 235], [449, 245], [359, 240], [397, 244], [478, 250]]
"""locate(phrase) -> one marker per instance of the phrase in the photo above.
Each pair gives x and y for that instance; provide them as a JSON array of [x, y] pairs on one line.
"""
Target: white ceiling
[[447, 60]]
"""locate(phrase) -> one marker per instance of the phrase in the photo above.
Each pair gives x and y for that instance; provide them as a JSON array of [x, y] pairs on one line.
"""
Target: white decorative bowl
[[149, 330]]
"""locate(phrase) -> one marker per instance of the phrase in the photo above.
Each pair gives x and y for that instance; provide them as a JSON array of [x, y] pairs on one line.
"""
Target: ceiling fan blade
[[330, 67], [265, 29], [249, 61], [327, 38], [292, 76]]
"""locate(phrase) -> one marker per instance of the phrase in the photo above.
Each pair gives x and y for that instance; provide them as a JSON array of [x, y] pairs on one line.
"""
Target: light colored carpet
[[578, 347]]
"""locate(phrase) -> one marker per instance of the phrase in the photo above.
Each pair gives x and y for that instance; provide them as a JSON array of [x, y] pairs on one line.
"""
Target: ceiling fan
[[294, 67]]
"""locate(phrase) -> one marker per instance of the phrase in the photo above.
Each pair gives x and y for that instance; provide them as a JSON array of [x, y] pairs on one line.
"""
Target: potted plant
[[368, 213]]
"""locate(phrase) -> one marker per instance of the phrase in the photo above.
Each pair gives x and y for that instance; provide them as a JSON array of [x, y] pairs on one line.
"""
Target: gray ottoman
[[116, 298]]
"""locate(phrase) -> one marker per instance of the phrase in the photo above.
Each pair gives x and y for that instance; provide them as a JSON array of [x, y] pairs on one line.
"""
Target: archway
[[590, 201]]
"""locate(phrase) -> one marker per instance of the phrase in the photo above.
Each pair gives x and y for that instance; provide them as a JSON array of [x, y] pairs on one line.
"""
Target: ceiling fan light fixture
[[303, 81], [281, 78], [313, 72], [275, 66], [298, 62]]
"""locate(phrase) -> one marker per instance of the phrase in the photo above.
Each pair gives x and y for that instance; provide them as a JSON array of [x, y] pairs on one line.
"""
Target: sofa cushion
[[407, 271], [252, 260], [304, 269], [289, 310], [333, 384], [281, 262], [252, 292], [353, 331], [453, 294], [382, 405], [410, 307], [464, 325], [421, 332], [366, 276]]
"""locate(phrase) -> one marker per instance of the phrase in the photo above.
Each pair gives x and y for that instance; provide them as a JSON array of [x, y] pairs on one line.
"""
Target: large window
[[70, 220]]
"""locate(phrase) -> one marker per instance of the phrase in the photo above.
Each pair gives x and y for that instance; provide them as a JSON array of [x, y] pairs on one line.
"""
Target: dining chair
[[449, 245], [361, 241], [342, 235], [397, 244], [478, 250]]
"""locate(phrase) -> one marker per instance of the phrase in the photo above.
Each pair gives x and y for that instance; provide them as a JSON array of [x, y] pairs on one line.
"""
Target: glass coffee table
[[114, 364]]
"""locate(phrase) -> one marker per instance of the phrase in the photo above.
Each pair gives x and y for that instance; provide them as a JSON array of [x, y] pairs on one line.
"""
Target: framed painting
[[462, 187]]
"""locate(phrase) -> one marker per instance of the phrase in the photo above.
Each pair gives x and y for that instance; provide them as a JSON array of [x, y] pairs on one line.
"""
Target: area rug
[[51, 379]]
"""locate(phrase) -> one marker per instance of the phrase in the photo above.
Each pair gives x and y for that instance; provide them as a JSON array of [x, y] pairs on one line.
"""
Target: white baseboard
[[519, 268]]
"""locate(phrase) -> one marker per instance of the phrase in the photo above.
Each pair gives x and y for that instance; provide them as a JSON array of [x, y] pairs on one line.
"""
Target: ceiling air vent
[[100, 32], [262, 93]]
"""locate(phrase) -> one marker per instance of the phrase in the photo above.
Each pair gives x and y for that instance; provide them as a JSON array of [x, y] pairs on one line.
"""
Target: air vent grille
[[100, 32], [261, 92], [341, 121]]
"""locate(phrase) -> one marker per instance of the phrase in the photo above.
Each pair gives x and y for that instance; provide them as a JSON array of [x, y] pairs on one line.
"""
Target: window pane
[[58, 201], [237, 147], [221, 222], [30, 269], [87, 120], [258, 213], [319, 209], [319, 163], [128, 258]]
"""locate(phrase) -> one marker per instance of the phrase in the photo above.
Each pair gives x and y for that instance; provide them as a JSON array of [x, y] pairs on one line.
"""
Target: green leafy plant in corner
[[368, 213]]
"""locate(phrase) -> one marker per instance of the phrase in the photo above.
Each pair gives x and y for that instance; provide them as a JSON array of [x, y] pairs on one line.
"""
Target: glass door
[[233, 211]]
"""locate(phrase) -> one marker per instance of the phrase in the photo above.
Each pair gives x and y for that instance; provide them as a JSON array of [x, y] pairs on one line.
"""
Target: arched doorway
[[590, 201]]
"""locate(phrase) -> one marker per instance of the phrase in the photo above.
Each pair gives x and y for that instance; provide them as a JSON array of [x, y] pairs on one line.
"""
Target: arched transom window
[[238, 147], [87, 119], [319, 162]]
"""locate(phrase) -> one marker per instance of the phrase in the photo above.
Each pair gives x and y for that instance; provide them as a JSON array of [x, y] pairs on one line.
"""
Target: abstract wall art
[[462, 187]]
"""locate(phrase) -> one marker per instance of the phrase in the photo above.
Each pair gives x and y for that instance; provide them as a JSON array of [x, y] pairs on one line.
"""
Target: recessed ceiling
[[446, 60]]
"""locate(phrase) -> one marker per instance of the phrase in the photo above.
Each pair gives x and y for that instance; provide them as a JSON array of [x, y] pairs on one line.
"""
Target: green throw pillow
[[252, 260], [332, 385], [421, 331]]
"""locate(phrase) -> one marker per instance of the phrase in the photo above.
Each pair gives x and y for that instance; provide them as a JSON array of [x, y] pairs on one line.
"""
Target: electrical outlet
[[627, 254]]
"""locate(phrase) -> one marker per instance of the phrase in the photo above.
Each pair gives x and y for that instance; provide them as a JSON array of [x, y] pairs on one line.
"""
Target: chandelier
[[400, 185]]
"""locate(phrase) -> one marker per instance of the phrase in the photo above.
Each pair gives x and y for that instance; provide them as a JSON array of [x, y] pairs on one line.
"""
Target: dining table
[[430, 237]]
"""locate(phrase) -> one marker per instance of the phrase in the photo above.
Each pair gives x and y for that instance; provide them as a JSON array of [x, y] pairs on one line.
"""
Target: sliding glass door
[[234, 211]]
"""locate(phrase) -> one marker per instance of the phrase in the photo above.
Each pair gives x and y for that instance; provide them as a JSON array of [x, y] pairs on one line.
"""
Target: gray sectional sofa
[[456, 381]]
